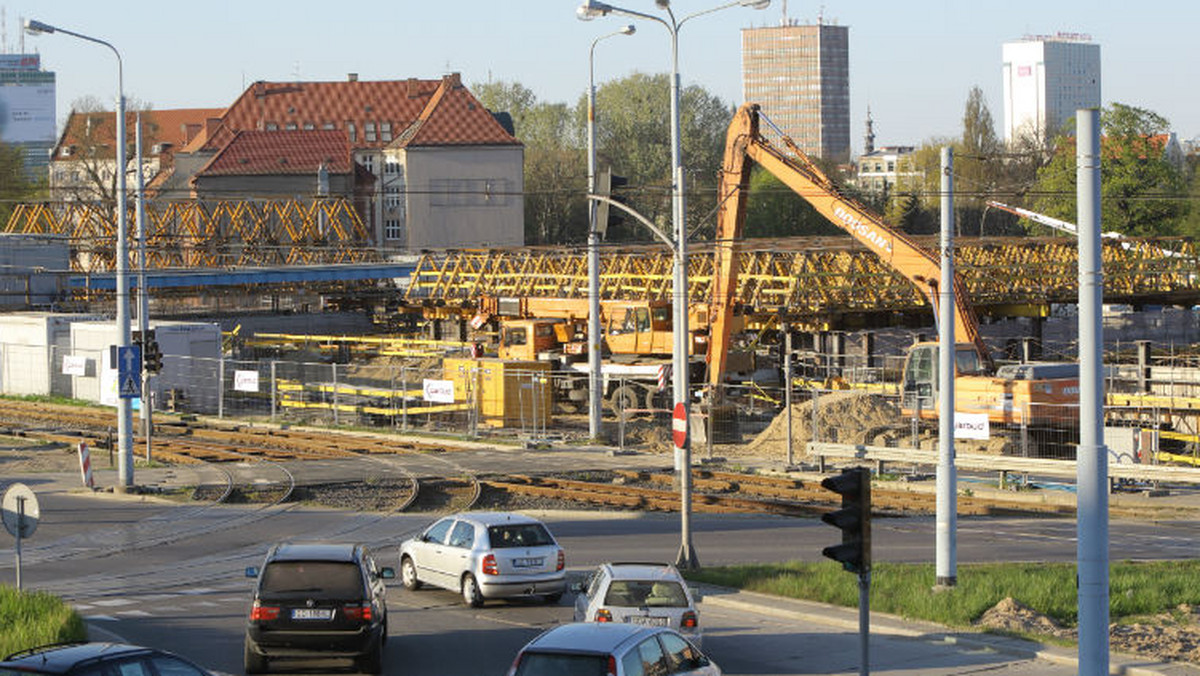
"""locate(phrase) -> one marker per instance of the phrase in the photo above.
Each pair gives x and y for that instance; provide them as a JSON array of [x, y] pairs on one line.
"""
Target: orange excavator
[[1022, 393]]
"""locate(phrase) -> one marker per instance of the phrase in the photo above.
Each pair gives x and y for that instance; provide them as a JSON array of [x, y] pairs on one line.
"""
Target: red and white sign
[[85, 465], [438, 391], [679, 425], [971, 426]]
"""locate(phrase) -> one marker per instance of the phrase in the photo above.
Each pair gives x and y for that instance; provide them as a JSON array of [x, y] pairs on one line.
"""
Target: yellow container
[[506, 393]]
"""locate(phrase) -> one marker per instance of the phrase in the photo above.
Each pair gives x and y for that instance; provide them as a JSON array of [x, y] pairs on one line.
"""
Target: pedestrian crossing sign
[[129, 387]]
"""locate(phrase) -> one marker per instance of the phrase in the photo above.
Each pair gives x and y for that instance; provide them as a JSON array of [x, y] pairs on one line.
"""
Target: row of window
[[372, 132]]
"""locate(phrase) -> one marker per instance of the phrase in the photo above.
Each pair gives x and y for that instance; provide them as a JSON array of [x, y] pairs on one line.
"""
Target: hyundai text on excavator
[[1025, 393]]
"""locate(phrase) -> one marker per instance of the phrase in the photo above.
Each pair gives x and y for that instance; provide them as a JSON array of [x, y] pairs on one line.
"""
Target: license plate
[[649, 621], [527, 563], [312, 614]]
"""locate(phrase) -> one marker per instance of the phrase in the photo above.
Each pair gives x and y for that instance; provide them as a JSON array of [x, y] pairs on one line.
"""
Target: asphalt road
[[172, 576]]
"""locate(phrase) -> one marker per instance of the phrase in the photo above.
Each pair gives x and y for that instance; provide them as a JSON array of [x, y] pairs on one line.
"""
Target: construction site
[[282, 311]]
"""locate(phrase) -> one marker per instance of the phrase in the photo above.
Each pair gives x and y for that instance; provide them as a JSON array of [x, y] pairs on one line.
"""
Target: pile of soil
[[846, 417], [1170, 637]]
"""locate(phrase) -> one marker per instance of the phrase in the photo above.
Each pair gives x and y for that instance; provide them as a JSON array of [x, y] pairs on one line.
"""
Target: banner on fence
[[245, 381], [74, 365], [439, 391], [971, 426]]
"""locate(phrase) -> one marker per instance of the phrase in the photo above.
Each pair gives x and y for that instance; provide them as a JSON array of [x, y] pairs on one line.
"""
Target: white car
[[650, 594], [589, 649], [486, 555]]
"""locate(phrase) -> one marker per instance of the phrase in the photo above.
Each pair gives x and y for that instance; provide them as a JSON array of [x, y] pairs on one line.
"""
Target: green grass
[[48, 399], [32, 619], [1137, 589]]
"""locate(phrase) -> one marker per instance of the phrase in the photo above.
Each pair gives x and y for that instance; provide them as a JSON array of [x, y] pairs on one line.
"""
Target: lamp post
[[124, 410], [596, 384], [589, 10]]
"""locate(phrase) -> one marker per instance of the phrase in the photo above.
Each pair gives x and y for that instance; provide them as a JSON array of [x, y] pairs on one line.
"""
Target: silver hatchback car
[[486, 555], [649, 594], [613, 649]]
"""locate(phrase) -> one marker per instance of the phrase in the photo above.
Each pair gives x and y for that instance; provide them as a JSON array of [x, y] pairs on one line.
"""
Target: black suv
[[311, 600], [95, 659]]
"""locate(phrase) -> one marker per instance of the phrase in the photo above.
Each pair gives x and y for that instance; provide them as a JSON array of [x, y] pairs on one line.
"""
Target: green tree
[[1142, 193], [15, 184]]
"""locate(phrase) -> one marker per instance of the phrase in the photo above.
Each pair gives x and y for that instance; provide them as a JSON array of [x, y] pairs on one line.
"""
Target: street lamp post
[[596, 384], [589, 10], [124, 410]]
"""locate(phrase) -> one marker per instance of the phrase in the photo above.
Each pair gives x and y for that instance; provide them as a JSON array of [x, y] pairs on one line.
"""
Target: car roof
[[495, 518], [643, 571], [62, 657], [590, 637], [314, 551]]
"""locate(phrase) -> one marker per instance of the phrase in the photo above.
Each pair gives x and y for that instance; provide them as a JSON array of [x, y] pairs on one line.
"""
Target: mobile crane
[[1014, 394]]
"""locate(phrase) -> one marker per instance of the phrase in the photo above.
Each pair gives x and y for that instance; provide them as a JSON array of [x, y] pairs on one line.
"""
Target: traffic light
[[151, 355], [606, 215], [854, 519]]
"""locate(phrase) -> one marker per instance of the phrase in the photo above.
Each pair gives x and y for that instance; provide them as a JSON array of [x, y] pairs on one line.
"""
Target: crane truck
[[1025, 393]]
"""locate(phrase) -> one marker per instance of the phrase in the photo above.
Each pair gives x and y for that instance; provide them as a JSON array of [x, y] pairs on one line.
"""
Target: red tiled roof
[[454, 117], [176, 126], [280, 152]]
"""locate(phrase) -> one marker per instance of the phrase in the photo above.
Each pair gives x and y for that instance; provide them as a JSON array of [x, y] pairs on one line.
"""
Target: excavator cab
[[920, 384]]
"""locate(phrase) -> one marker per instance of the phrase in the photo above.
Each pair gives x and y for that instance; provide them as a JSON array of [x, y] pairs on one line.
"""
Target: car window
[[166, 665], [331, 579], [553, 664], [638, 593], [654, 662], [463, 535], [594, 583], [632, 664], [438, 532], [519, 535], [681, 654]]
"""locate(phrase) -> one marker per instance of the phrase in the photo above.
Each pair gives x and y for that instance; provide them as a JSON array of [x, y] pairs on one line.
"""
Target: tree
[[91, 133], [1142, 193], [15, 184]]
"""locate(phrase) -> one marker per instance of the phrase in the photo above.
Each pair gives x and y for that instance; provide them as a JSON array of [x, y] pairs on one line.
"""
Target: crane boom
[[745, 147]]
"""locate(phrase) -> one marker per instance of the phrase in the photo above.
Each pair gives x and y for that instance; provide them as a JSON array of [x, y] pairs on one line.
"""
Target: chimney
[[453, 80], [211, 125], [352, 77], [414, 88]]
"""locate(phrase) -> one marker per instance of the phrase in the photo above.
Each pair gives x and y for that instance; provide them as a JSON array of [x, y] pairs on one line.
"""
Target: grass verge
[[1137, 588], [29, 619]]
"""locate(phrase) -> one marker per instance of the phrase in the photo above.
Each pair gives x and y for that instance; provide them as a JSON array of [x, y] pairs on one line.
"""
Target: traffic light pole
[[143, 295], [864, 622], [854, 552]]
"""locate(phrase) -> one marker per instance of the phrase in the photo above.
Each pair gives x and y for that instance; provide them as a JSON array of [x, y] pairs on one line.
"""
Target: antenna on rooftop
[[3, 31]]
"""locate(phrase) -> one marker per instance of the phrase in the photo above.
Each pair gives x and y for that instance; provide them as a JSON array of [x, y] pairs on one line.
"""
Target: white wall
[[468, 197]]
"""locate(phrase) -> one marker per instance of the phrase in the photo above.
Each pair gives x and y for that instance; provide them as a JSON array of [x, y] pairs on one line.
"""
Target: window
[[385, 130], [369, 132], [463, 535], [309, 126], [555, 664], [654, 662], [515, 335], [519, 535], [368, 162], [352, 132], [391, 165], [391, 196], [682, 655], [438, 532], [468, 192], [313, 579], [169, 666], [291, 126], [392, 229], [271, 126], [329, 126]]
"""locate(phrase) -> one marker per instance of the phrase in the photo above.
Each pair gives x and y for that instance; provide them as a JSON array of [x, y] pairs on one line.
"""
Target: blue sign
[[129, 371]]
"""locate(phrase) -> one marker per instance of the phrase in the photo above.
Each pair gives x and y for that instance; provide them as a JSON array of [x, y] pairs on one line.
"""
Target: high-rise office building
[[800, 75], [1046, 79], [27, 109]]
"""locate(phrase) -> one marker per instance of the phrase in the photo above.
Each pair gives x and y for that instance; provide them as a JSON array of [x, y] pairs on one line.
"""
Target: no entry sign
[[679, 425]]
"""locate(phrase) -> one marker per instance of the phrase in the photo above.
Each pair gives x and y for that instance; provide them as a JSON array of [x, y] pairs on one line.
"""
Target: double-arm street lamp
[[124, 410], [592, 9], [596, 388]]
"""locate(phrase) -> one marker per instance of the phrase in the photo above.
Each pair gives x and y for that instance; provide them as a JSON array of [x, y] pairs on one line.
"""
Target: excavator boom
[[746, 147]]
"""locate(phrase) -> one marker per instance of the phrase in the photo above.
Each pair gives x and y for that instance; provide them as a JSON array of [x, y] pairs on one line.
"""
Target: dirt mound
[[1013, 616], [848, 417]]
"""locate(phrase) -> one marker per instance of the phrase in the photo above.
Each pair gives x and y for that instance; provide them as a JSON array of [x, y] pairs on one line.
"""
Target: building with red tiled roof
[[85, 152], [277, 162], [434, 167]]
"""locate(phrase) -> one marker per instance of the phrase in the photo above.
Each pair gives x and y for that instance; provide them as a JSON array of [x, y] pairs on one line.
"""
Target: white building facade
[[1046, 79]]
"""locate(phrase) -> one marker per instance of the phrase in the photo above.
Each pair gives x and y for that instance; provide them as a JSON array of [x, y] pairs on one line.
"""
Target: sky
[[912, 62]]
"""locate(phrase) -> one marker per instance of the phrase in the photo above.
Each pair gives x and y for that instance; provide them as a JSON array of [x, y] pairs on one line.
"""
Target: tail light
[[359, 612], [689, 621], [611, 669], [603, 615], [489, 565], [261, 613], [562, 560]]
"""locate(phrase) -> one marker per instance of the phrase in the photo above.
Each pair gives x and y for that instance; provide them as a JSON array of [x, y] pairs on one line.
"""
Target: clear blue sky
[[912, 62]]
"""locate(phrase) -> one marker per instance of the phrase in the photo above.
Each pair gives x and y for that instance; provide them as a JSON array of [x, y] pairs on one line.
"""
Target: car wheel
[[408, 574], [372, 661], [551, 599], [252, 662], [470, 591]]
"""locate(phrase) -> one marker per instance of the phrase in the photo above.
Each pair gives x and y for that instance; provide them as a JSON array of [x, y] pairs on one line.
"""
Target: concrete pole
[[143, 294], [947, 499], [1091, 456]]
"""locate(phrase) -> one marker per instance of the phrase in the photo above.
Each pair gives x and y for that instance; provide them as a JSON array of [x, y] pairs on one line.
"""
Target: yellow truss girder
[[816, 277], [220, 233]]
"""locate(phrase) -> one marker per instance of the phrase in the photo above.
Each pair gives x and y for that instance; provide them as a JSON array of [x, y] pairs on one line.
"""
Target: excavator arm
[[744, 148]]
